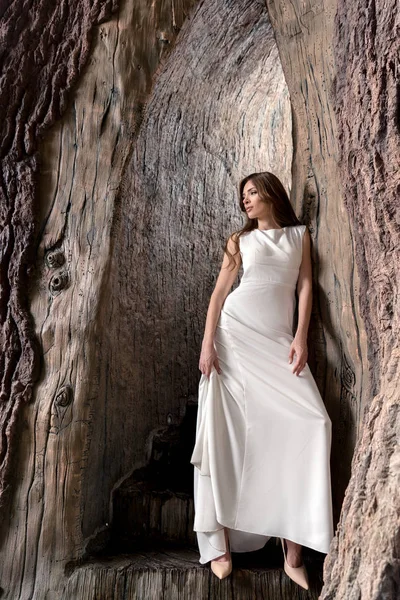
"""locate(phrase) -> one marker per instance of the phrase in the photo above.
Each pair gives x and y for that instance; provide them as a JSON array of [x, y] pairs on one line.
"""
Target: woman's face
[[255, 207]]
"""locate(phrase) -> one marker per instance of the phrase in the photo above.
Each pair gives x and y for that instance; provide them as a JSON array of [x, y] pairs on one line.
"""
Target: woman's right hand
[[208, 359]]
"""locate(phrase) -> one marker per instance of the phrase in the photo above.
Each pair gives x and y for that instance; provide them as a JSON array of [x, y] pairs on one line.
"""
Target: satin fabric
[[263, 435]]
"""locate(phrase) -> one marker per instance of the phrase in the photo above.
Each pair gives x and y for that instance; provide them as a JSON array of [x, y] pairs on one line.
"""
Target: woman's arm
[[304, 290], [225, 280]]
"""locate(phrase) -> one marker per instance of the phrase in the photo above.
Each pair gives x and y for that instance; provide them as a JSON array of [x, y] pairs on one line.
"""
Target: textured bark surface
[[175, 574], [57, 466], [42, 54], [338, 347], [341, 77], [124, 271], [219, 109], [364, 561], [120, 343]]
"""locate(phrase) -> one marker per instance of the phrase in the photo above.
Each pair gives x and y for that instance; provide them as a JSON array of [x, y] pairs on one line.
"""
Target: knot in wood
[[164, 37], [64, 396], [58, 282], [55, 258]]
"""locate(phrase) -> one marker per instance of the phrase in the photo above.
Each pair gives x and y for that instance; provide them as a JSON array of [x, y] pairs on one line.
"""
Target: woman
[[263, 435]]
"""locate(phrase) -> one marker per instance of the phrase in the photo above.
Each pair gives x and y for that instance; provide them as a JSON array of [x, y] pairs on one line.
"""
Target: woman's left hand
[[298, 346]]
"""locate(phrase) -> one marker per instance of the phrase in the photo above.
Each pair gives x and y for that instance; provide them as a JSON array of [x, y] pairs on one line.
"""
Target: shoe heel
[[296, 574], [223, 569]]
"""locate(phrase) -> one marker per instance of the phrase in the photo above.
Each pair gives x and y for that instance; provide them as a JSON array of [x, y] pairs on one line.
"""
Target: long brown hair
[[271, 191]]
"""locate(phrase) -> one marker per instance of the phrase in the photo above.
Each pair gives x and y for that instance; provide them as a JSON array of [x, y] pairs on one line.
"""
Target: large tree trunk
[[340, 67], [69, 451], [338, 340], [123, 213], [365, 557]]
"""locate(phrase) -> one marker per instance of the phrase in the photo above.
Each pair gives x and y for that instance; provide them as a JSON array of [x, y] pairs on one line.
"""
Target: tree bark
[[365, 556], [111, 240], [61, 482], [35, 84], [339, 61]]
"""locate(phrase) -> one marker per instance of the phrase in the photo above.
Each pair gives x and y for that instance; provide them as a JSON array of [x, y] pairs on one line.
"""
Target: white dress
[[263, 435]]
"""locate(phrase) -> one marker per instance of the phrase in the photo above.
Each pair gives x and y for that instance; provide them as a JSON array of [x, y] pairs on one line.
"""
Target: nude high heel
[[223, 568], [297, 574]]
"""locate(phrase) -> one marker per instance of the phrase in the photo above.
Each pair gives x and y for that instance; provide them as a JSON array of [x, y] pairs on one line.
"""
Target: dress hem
[[302, 542]]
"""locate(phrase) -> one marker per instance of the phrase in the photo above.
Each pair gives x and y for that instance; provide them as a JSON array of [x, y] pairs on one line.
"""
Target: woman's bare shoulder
[[236, 237]]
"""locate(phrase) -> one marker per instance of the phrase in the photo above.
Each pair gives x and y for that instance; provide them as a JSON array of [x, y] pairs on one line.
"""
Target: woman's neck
[[267, 224]]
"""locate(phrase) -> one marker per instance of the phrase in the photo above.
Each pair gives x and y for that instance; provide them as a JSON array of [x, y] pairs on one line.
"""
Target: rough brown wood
[[123, 276], [55, 508], [42, 54], [340, 63], [99, 313], [364, 561], [338, 344], [165, 572], [219, 108]]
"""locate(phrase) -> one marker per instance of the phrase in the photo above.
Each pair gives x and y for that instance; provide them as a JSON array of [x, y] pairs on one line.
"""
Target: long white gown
[[263, 435]]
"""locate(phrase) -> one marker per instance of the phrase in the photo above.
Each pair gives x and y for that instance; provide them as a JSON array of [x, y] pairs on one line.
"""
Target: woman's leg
[[294, 554], [226, 556]]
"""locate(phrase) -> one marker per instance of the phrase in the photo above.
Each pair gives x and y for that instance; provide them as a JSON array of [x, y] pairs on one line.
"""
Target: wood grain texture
[[42, 54], [219, 109], [117, 226], [120, 343], [55, 509], [173, 573], [338, 344], [340, 62], [364, 561]]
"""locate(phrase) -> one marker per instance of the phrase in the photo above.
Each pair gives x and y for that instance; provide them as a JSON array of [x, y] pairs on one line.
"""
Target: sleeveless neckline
[[272, 229]]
